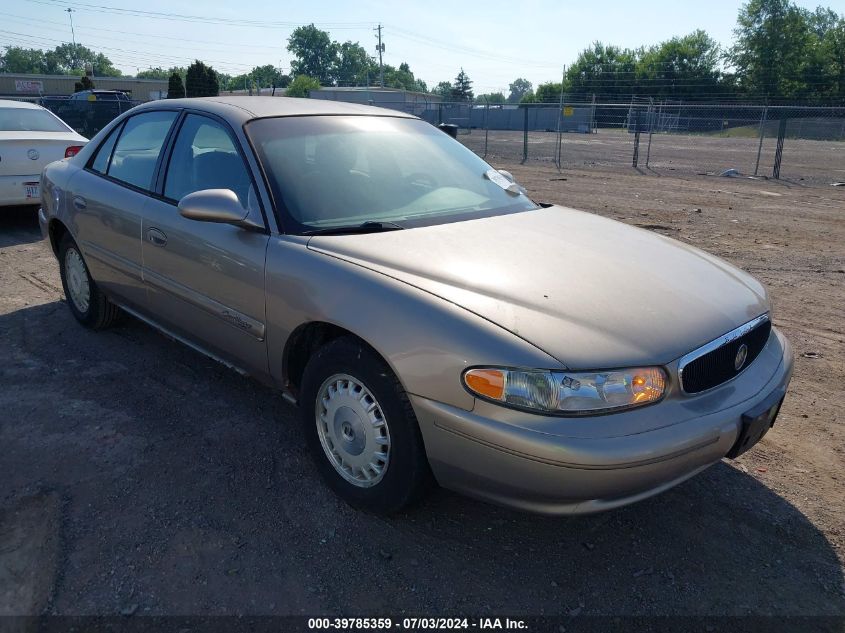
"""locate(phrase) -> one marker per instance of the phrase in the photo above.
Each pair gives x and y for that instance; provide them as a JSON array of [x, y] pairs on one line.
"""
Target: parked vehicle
[[89, 111], [431, 321], [100, 95], [30, 137]]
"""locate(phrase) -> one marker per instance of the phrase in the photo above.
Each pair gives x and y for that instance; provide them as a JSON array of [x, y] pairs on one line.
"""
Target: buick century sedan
[[433, 323]]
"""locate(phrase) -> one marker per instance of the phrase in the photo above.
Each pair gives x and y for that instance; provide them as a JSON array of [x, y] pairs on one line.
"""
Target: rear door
[[108, 198], [206, 280]]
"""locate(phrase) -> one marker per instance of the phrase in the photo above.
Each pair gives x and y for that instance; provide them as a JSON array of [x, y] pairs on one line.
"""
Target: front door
[[205, 281]]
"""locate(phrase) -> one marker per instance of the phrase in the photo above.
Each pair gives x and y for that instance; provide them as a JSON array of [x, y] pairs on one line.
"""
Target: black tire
[[100, 312], [407, 476]]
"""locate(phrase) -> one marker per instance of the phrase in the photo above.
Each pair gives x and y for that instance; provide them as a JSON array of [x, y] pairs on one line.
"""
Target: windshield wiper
[[364, 227]]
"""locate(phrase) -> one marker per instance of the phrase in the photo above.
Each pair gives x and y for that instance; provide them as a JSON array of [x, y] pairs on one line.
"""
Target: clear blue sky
[[494, 41]]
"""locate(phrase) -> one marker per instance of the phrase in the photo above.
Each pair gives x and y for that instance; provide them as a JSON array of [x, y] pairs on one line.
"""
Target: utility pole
[[72, 33], [380, 49]]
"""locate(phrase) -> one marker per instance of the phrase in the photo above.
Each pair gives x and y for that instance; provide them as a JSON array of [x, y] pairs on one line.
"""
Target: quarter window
[[205, 157], [137, 150], [101, 160]]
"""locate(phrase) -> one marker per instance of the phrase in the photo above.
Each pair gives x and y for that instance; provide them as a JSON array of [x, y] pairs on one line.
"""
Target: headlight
[[565, 392]]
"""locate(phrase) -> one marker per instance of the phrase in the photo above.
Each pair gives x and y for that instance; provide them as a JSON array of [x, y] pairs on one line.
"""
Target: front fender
[[426, 340]]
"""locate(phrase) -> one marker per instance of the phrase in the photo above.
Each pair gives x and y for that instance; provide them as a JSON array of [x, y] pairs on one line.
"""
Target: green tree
[[315, 53], [201, 81], [16, 59], [302, 85], [491, 97], [72, 59], [175, 87], [353, 66], [84, 83], [518, 89], [443, 90], [548, 92], [606, 71], [462, 87], [770, 56], [832, 58], [682, 67]]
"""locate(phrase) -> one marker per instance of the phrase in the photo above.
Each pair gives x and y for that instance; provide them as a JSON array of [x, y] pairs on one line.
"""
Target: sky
[[494, 41]]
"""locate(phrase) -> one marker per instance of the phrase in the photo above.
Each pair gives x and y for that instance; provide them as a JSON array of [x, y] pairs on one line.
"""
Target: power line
[[179, 17], [146, 35]]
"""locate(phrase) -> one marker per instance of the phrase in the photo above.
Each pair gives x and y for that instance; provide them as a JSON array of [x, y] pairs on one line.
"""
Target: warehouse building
[[33, 86]]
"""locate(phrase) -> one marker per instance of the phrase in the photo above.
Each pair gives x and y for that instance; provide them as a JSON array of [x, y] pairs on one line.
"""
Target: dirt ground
[[138, 477], [804, 161]]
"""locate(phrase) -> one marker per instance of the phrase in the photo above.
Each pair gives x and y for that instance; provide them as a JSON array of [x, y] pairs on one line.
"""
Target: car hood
[[589, 291]]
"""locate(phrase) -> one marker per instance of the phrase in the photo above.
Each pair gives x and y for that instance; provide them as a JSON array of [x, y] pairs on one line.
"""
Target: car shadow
[[19, 225], [186, 488]]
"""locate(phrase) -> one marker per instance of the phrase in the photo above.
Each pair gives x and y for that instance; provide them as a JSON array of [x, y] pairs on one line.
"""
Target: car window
[[100, 163], [345, 170], [205, 157], [27, 120], [137, 150]]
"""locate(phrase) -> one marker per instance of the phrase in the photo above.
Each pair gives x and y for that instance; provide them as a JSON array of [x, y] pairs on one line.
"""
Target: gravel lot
[[138, 477]]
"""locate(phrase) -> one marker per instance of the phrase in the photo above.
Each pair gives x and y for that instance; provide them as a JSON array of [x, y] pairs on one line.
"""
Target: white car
[[30, 138]]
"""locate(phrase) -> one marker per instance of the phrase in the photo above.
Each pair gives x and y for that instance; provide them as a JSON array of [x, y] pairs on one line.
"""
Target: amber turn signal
[[489, 383]]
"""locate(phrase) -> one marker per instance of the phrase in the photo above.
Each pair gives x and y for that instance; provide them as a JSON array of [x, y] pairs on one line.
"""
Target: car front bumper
[[529, 468]]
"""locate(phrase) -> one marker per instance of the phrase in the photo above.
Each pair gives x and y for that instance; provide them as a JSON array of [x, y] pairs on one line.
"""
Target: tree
[[315, 53], [832, 57], [72, 59], [84, 83], [681, 68], [606, 71], [518, 89], [462, 87], [491, 97], [16, 59], [201, 81], [773, 38], [353, 66], [302, 85], [175, 87], [444, 90]]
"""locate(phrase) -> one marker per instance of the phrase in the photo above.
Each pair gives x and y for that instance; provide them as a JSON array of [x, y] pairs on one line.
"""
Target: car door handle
[[79, 202], [156, 237]]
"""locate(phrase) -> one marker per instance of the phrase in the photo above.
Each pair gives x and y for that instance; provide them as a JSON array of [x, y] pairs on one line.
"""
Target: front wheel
[[361, 428], [90, 306]]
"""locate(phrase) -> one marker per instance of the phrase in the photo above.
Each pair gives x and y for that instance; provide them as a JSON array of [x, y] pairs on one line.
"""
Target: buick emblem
[[741, 355], [33, 154]]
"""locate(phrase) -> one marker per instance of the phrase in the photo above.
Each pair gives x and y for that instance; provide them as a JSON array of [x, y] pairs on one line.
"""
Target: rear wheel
[[90, 306], [361, 428]]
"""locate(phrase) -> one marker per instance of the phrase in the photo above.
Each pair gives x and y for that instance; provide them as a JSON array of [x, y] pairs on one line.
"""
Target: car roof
[[10, 103], [239, 110]]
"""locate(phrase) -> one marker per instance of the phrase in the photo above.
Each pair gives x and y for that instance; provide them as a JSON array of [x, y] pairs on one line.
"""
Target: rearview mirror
[[216, 205]]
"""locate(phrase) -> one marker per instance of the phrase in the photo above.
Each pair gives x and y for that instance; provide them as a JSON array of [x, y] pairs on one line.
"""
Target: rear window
[[26, 120]]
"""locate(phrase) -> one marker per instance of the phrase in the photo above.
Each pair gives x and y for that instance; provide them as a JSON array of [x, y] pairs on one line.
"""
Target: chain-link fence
[[795, 143], [787, 142]]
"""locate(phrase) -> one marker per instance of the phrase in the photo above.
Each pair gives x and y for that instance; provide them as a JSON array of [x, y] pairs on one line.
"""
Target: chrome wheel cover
[[77, 280], [353, 430]]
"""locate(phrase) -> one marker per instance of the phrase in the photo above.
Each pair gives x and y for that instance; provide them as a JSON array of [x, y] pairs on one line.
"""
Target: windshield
[[26, 120], [334, 171]]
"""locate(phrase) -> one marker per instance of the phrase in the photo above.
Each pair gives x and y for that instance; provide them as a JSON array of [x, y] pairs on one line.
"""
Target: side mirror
[[216, 205], [507, 175]]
